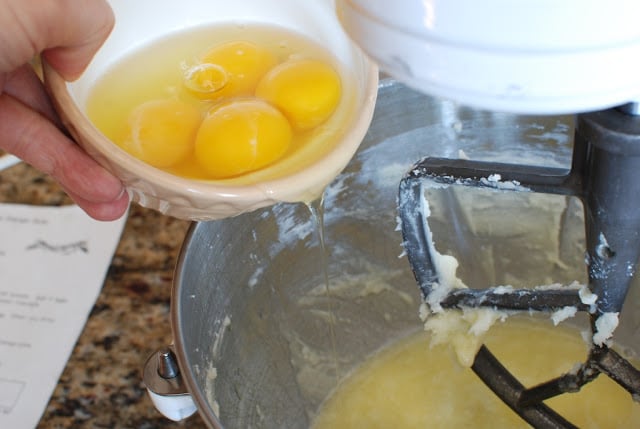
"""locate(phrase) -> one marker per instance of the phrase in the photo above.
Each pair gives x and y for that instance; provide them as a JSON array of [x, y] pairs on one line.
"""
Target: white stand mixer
[[528, 57], [532, 56]]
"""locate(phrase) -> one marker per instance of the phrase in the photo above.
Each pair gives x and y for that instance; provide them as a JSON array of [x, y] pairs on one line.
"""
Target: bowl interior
[[251, 311], [142, 22]]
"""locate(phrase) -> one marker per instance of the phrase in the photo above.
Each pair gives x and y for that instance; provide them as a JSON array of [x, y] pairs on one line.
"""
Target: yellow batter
[[410, 385]]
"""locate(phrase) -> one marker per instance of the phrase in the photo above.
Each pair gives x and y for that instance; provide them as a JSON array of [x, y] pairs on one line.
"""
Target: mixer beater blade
[[604, 175]]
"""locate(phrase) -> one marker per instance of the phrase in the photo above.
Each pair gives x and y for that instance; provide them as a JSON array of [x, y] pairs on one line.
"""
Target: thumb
[[66, 32]]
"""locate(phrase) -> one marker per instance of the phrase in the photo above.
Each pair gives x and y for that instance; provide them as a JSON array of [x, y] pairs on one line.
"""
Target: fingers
[[25, 86], [108, 211], [90, 21], [67, 32], [33, 138]]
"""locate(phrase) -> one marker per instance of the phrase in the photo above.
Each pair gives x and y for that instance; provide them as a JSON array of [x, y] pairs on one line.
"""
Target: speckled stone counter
[[101, 386]]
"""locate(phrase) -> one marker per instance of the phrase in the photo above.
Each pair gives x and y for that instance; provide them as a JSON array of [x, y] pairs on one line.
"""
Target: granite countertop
[[101, 385]]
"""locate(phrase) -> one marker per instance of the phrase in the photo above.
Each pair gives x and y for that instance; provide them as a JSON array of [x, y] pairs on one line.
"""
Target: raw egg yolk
[[242, 65], [241, 136], [204, 80], [307, 91], [161, 132]]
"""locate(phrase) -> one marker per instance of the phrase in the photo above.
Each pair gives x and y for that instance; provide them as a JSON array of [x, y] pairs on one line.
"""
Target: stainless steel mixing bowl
[[261, 339]]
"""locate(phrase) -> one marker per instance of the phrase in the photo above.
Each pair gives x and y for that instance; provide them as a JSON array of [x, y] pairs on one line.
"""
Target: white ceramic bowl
[[141, 22]]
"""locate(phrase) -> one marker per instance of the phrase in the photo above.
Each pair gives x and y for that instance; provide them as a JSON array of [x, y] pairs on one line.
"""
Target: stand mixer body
[[531, 57]]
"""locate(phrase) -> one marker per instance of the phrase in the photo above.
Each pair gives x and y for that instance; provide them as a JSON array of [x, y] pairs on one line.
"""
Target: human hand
[[67, 33]]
